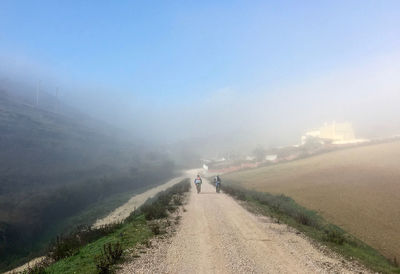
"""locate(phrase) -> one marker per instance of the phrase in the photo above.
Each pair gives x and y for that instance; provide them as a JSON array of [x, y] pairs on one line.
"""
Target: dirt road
[[217, 235], [122, 212]]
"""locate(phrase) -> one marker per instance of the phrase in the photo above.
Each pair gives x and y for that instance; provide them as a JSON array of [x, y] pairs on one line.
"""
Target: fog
[[100, 101], [220, 77], [366, 94]]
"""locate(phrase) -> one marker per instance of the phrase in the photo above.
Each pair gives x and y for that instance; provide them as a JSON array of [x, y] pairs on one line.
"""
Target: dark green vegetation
[[98, 250], [159, 206], [283, 209], [58, 170], [92, 257]]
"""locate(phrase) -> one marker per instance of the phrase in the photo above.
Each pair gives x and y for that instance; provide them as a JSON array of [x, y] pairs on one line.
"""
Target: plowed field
[[357, 189]]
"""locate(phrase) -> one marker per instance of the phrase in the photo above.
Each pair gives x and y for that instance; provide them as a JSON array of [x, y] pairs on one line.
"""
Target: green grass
[[81, 251], [283, 209], [84, 261], [85, 217]]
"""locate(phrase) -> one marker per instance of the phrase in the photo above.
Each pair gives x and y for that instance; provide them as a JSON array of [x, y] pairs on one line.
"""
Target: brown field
[[357, 189]]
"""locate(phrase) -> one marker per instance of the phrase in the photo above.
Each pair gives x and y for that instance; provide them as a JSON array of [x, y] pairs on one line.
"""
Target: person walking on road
[[198, 181], [217, 181]]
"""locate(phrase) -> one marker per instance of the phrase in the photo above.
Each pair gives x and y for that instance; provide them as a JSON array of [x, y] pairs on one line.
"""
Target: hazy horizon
[[258, 73]]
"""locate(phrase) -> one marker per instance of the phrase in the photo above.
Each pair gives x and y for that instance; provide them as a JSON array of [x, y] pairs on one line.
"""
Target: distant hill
[[36, 143], [34, 96]]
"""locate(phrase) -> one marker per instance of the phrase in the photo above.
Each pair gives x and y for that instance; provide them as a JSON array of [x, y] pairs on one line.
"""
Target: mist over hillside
[[56, 163], [232, 118]]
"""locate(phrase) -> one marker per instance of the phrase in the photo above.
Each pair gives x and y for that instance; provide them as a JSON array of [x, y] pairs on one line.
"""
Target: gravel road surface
[[122, 212], [217, 235]]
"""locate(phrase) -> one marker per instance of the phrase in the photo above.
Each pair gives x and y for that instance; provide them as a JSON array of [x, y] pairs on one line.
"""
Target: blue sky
[[183, 52], [184, 48]]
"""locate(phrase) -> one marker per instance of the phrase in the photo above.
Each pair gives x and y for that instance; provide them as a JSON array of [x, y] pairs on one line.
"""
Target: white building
[[271, 157], [336, 133]]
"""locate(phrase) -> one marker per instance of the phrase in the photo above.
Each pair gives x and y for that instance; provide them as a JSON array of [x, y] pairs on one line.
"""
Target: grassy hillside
[[357, 189], [53, 167], [89, 254]]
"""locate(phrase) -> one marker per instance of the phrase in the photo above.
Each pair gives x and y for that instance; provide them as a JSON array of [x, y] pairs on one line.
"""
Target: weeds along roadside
[[88, 250], [283, 209]]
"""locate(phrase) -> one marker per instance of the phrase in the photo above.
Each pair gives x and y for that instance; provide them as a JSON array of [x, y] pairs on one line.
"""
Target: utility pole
[[57, 101], [37, 93]]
